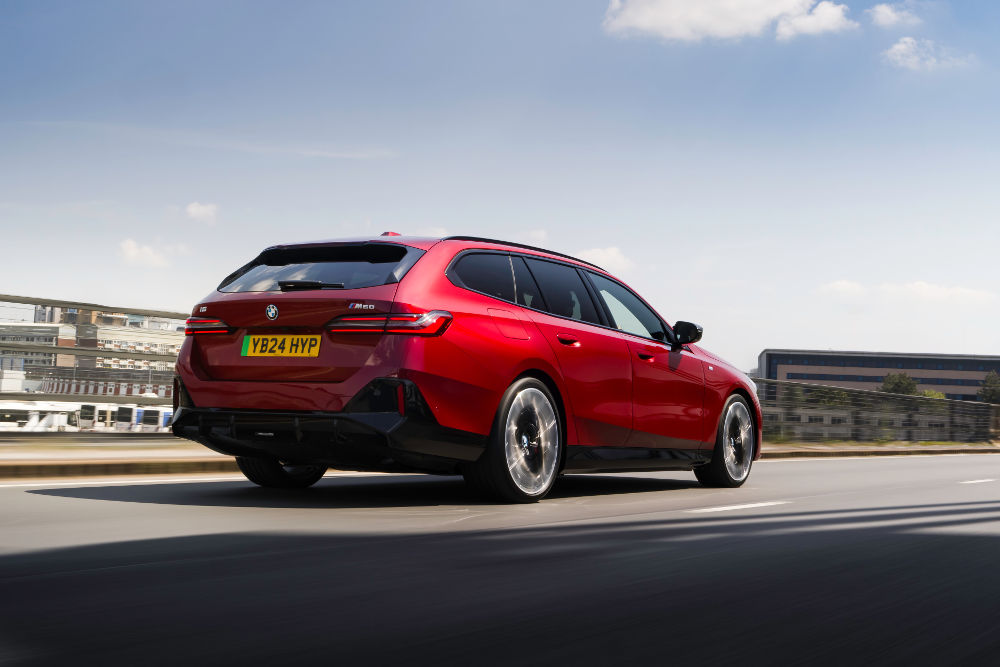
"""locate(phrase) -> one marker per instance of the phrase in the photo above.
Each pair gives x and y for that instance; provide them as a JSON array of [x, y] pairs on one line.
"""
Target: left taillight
[[416, 324], [202, 325]]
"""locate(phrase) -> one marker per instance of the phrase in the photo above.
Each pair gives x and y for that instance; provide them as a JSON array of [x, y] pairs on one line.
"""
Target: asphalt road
[[893, 560]]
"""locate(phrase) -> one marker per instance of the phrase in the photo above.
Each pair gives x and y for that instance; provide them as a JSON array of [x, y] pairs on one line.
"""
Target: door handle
[[568, 340], [646, 356]]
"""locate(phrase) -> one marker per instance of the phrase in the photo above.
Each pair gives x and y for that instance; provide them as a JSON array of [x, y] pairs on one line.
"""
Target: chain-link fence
[[807, 412]]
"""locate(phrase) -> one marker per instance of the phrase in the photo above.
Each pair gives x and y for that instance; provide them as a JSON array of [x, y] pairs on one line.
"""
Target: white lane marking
[[977, 481], [167, 480], [875, 457], [730, 508]]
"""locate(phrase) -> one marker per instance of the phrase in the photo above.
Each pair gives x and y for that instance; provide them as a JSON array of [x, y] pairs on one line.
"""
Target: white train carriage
[[156, 419], [39, 416], [98, 416], [128, 418]]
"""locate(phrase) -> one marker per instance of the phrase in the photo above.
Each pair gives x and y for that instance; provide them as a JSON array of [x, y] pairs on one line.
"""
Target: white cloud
[[611, 259], [843, 288], [891, 16], [536, 236], [202, 212], [694, 20], [176, 249], [825, 17], [142, 255], [923, 55], [921, 291], [911, 293]]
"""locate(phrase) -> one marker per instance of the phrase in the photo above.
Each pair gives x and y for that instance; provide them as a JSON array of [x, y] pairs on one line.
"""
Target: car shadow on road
[[910, 584], [354, 492]]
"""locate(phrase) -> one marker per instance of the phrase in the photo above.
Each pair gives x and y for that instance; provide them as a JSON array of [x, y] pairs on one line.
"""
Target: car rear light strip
[[201, 325], [417, 324]]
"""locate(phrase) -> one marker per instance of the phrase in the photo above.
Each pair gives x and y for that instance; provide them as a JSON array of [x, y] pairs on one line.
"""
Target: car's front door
[[668, 385]]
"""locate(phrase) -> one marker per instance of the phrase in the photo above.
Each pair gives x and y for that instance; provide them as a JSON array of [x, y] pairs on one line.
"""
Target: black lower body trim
[[583, 458], [363, 439]]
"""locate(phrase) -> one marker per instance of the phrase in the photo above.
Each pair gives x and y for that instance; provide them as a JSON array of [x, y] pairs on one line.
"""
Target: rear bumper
[[359, 438]]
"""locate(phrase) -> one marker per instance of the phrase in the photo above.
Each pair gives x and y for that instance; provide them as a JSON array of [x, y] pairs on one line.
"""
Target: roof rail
[[480, 239]]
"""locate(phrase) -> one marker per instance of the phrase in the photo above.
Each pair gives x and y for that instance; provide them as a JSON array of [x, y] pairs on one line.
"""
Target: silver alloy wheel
[[531, 441], [737, 441]]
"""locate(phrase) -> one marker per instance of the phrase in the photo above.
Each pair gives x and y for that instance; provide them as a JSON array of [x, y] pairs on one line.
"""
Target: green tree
[[990, 391], [791, 395], [830, 397], [930, 393], [899, 383]]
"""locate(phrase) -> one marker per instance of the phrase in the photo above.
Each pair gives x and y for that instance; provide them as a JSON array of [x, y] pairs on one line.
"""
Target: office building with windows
[[957, 376]]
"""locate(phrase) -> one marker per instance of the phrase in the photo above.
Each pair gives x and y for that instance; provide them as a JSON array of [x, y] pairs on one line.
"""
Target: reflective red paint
[[614, 389]]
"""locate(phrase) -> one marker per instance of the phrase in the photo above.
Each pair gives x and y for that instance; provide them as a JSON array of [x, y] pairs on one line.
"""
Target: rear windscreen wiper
[[287, 285]]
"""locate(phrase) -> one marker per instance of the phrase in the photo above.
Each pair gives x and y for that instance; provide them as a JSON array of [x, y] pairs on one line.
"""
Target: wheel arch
[[754, 416], [553, 387]]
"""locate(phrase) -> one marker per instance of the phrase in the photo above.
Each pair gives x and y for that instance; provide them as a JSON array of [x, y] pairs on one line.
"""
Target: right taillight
[[202, 325], [416, 324]]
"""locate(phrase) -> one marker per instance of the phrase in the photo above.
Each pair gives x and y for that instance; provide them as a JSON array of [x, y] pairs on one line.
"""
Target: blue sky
[[785, 172]]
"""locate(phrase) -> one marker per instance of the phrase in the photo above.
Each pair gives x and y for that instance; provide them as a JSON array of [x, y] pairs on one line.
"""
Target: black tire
[[537, 424], [720, 473], [271, 473]]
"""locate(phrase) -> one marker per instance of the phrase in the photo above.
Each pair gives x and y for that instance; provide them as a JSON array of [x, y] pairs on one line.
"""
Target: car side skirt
[[581, 458]]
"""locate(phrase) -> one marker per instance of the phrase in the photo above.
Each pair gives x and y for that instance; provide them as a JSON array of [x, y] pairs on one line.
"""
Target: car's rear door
[[594, 360], [668, 385]]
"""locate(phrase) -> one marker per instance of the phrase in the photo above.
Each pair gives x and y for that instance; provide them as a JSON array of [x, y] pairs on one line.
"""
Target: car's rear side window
[[564, 292], [488, 273], [352, 266], [528, 293]]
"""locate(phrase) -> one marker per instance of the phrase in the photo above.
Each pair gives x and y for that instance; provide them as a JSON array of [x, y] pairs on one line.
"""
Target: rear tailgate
[[300, 319], [273, 313]]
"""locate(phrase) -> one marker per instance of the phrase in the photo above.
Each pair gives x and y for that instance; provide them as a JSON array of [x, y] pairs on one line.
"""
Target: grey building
[[957, 376]]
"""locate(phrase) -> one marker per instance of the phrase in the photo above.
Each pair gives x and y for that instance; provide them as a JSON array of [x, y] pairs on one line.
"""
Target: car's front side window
[[629, 313]]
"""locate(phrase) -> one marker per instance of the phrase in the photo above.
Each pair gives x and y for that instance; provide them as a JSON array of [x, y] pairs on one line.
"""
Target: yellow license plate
[[280, 346]]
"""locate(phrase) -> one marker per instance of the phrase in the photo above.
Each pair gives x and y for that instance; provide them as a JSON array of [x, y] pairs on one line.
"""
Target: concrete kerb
[[840, 453], [112, 468]]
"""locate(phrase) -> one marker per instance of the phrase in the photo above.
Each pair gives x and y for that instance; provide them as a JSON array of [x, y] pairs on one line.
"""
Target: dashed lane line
[[731, 508]]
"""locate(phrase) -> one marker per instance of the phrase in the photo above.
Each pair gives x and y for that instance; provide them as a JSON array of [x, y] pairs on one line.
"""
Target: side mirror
[[686, 332]]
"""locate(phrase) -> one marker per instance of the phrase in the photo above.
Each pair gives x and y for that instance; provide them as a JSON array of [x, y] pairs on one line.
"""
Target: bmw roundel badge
[[272, 312]]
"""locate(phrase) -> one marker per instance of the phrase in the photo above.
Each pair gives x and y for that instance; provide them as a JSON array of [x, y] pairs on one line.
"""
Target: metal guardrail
[[79, 305], [809, 412], [86, 398], [87, 351]]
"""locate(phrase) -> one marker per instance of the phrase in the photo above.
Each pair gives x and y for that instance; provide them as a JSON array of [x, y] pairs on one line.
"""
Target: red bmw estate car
[[504, 363]]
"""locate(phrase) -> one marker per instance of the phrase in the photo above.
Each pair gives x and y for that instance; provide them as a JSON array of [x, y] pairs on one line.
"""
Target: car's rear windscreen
[[353, 266]]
